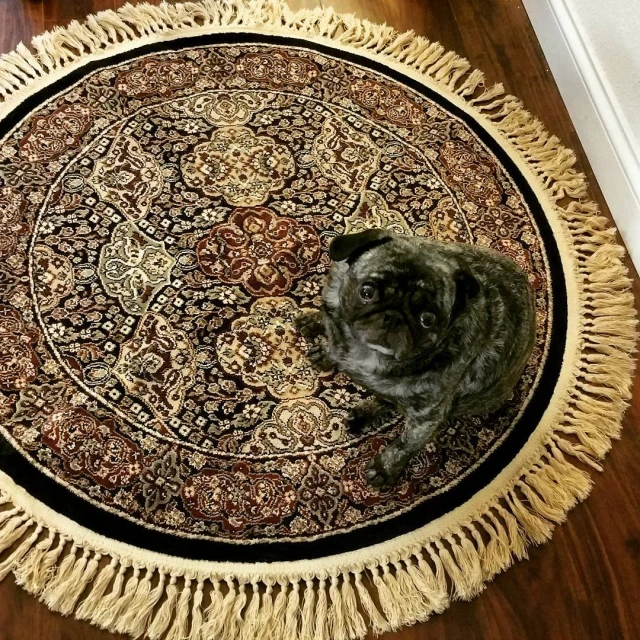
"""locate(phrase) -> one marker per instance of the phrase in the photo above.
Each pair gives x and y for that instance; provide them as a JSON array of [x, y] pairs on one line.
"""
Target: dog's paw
[[318, 357], [380, 475], [309, 324]]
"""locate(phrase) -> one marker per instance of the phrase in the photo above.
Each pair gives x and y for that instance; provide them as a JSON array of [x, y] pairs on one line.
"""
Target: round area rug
[[170, 180]]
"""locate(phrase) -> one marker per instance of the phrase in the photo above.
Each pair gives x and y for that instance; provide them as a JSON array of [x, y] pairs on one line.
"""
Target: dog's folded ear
[[467, 288], [350, 247]]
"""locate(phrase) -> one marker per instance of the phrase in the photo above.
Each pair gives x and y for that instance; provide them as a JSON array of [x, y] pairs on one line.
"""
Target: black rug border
[[65, 502]]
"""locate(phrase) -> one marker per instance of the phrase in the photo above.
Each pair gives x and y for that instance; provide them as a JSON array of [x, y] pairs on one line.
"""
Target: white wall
[[611, 30], [593, 50]]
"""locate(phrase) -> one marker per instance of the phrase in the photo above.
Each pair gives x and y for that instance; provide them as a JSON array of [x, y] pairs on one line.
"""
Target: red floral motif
[[278, 69], [157, 77], [473, 175], [18, 361], [11, 222], [386, 103], [239, 498], [50, 136], [259, 249], [92, 448]]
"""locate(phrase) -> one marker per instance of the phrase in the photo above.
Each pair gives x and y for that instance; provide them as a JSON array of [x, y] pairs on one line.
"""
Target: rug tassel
[[538, 530], [376, 620], [180, 626], [215, 624], [539, 504], [388, 600], [306, 623], [250, 628], [234, 620], [105, 607], [123, 603], [461, 585], [160, 622], [88, 607], [56, 590], [576, 480], [544, 480], [435, 600], [12, 530], [321, 631], [213, 613], [356, 627], [337, 623], [12, 561], [468, 560], [497, 556], [83, 572], [195, 627], [517, 539], [409, 599], [265, 615], [31, 573], [291, 621], [140, 595], [139, 624]]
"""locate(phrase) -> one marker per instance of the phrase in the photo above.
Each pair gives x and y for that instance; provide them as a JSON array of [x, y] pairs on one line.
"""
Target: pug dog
[[433, 330]]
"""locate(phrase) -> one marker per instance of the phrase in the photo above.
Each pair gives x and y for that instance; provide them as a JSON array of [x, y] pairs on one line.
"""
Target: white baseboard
[[595, 113]]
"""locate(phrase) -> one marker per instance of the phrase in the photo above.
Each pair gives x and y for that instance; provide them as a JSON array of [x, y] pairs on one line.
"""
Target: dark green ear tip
[[353, 245]]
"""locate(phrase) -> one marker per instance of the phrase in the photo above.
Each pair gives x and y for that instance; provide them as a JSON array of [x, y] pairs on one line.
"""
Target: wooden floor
[[585, 583]]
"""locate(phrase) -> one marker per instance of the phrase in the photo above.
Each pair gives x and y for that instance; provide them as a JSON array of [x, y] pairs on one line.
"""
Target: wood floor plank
[[585, 583]]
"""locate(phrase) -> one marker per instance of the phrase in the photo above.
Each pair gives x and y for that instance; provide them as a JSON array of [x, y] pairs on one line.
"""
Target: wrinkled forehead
[[407, 265]]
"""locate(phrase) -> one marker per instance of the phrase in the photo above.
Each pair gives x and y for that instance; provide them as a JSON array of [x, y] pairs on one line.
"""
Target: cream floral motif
[[18, 361], [157, 365], [239, 165], [53, 276], [265, 350], [134, 268], [345, 155], [223, 109], [12, 206], [297, 425], [372, 213], [446, 222], [128, 178]]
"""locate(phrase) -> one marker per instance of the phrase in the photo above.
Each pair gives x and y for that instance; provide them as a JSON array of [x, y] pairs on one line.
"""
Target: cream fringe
[[122, 596]]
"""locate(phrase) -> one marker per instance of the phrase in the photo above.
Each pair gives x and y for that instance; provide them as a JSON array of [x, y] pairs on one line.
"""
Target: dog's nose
[[392, 320]]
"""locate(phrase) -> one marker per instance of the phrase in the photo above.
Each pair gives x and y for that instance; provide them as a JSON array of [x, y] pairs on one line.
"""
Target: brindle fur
[[467, 363]]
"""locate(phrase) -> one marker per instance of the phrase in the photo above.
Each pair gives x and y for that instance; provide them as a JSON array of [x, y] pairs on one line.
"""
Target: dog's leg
[[311, 327], [367, 412], [385, 469]]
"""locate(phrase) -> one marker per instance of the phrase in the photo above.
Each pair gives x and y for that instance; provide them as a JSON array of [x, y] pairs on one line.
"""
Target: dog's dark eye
[[427, 319], [368, 292]]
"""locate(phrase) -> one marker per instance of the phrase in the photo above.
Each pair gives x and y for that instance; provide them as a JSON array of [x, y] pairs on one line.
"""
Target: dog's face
[[391, 296]]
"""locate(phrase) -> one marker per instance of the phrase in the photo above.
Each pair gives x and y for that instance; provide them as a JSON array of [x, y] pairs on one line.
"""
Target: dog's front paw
[[381, 473], [318, 357], [309, 324]]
